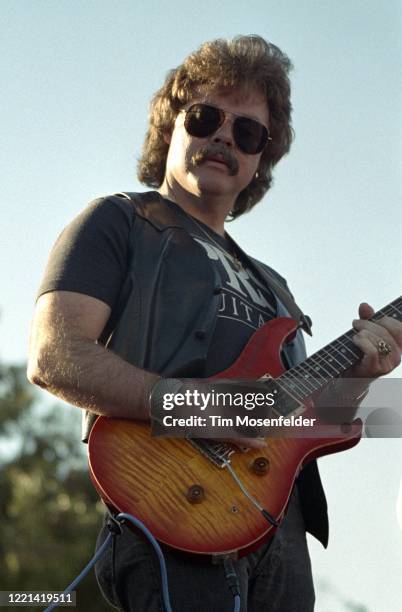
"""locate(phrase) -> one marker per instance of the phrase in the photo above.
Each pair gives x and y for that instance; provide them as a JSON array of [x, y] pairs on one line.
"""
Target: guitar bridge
[[217, 452]]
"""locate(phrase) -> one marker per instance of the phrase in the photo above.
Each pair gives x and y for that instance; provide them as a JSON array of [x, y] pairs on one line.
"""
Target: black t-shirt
[[91, 257]]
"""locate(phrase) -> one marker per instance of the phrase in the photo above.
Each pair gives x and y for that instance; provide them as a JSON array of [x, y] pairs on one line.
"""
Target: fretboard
[[331, 361]]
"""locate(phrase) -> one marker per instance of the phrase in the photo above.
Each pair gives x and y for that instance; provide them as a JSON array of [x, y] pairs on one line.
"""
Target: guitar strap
[[287, 300], [283, 294]]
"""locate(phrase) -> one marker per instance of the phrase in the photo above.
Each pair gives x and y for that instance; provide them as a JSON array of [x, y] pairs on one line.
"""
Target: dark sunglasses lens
[[250, 136], [202, 120]]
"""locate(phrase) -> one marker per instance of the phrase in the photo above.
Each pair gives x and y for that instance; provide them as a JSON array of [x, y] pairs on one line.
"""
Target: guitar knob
[[260, 466], [195, 494]]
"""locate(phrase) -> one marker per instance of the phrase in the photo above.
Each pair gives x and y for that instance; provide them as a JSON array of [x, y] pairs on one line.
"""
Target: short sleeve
[[91, 254]]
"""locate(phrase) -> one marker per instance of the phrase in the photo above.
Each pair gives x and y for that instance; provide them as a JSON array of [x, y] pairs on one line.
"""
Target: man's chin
[[213, 176], [214, 186]]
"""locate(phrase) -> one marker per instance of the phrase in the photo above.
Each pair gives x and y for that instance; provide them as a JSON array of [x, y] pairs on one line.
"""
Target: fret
[[334, 351], [341, 352], [395, 314], [315, 366], [294, 387], [378, 315], [349, 349], [300, 385], [313, 373], [322, 363], [394, 309], [305, 376], [303, 380], [330, 359], [313, 369]]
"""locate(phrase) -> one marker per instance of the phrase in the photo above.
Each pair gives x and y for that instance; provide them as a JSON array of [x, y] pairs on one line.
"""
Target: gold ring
[[383, 348]]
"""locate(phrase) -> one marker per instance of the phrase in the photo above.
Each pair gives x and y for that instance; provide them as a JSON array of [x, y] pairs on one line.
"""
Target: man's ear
[[167, 137]]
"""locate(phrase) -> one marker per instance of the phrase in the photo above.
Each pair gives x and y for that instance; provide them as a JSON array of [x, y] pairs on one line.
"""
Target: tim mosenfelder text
[[237, 421]]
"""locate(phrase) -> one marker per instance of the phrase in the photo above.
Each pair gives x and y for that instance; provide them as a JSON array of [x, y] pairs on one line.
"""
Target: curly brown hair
[[243, 62]]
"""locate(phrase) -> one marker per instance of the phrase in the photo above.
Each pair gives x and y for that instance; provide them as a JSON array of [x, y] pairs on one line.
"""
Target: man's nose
[[225, 133]]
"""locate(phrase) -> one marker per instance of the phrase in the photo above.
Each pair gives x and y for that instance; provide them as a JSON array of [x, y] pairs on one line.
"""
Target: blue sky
[[76, 79]]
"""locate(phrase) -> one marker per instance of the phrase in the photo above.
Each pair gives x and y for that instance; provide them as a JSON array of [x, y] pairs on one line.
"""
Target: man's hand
[[376, 362]]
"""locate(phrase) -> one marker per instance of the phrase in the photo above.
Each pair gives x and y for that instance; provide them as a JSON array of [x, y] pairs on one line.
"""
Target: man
[[158, 281]]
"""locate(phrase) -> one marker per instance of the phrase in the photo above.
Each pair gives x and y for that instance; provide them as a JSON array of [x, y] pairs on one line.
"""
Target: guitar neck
[[333, 360]]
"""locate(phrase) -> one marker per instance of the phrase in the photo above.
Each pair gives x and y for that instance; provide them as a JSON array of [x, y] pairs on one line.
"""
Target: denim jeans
[[275, 578]]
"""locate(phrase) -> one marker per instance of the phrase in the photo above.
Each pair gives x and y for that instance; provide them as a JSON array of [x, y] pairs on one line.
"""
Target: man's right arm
[[65, 359]]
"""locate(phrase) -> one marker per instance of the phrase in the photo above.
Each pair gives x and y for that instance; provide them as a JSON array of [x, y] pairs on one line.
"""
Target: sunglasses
[[202, 120]]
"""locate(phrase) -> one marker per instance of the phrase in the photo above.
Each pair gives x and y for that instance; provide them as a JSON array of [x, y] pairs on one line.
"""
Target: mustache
[[212, 150]]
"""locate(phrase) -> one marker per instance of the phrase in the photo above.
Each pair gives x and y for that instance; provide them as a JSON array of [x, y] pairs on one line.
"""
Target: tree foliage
[[49, 512]]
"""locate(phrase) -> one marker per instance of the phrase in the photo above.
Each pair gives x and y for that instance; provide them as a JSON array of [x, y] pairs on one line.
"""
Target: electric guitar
[[203, 496]]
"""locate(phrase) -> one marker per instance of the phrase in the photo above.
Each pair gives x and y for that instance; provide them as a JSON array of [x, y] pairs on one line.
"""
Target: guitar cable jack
[[267, 515]]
